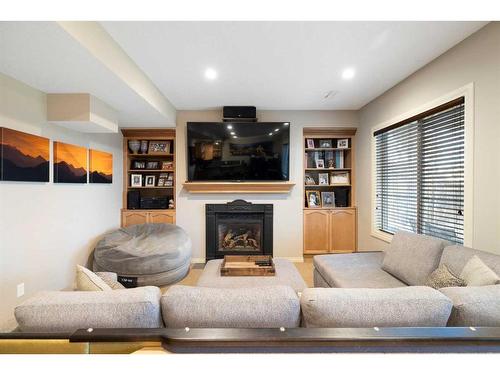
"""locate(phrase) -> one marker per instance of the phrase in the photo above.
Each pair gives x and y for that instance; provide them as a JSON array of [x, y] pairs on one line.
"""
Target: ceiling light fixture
[[348, 73], [210, 74], [276, 130], [230, 126]]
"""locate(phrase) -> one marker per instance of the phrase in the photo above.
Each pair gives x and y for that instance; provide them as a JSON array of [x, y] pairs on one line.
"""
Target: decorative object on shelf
[[310, 143], [171, 204], [330, 163], [136, 180], [323, 179], [134, 145], [23, 157], [159, 147], [70, 163], [309, 180], [342, 143], [167, 165], [139, 164], [328, 199], [150, 181], [101, 167], [152, 165], [313, 199], [320, 163], [340, 178], [325, 143], [144, 147]]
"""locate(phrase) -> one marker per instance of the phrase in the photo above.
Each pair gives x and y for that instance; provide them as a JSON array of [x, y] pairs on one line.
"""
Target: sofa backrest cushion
[[69, 311], [455, 257], [412, 257], [415, 306], [202, 307], [477, 306]]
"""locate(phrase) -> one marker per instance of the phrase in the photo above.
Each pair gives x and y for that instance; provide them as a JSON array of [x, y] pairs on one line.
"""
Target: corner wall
[[46, 228], [288, 237], [477, 60]]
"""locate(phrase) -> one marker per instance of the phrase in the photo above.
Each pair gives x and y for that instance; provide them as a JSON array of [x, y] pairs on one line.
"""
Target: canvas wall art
[[70, 163], [23, 157], [101, 167]]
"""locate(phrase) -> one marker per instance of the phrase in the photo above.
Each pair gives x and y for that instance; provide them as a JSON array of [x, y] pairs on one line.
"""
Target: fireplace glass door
[[239, 234]]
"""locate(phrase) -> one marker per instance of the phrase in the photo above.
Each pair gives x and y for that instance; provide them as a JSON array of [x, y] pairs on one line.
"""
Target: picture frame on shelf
[[167, 165], [325, 143], [343, 143], [159, 147], [138, 164], [313, 199], [320, 163], [323, 179], [330, 163], [150, 181], [310, 143], [161, 181], [340, 178], [327, 199], [136, 180], [152, 165], [309, 180]]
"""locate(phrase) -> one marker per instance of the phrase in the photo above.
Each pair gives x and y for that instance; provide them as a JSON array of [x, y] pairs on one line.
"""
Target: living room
[[247, 186]]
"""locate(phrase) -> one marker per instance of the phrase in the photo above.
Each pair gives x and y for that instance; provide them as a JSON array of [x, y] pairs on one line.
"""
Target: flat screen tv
[[220, 151]]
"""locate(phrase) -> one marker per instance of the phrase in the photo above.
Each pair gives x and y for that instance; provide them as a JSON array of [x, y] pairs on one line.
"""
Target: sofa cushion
[[357, 270], [111, 279], [69, 311], [416, 306], [260, 307], [412, 257], [456, 256], [88, 281], [442, 277], [476, 273], [474, 306]]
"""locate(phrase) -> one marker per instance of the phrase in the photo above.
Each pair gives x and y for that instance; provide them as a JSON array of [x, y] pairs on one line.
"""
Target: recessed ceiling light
[[348, 73], [233, 133], [210, 74], [230, 126]]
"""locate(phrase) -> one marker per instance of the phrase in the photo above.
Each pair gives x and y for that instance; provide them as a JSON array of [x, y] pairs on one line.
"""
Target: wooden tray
[[244, 265]]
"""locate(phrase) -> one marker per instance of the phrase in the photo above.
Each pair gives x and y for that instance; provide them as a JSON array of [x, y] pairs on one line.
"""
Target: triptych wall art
[[25, 157]]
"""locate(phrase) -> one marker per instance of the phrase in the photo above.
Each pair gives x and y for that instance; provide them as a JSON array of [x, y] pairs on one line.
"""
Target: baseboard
[[293, 259]]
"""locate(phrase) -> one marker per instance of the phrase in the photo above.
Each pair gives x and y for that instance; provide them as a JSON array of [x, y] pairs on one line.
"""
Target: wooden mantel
[[238, 187]]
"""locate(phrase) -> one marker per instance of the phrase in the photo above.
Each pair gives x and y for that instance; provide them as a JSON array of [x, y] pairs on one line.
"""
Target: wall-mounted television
[[238, 151]]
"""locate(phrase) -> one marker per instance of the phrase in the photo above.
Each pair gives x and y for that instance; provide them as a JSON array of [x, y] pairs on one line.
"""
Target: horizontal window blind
[[420, 174]]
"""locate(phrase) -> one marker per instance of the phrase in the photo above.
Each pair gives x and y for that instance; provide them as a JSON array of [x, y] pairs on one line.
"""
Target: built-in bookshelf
[[329, 190], [149, 176]]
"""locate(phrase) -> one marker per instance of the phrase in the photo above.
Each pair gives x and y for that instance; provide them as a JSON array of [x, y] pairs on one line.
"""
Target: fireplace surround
[[238, 228]]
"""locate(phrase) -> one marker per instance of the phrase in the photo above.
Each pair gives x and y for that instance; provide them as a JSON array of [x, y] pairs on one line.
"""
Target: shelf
[[329, 208], [149, 155], [327, 169], [326, 149], [150, 187], [238, 187], [150, 170], [330, 185]]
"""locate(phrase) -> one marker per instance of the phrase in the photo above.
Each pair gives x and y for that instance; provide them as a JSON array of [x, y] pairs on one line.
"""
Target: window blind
[[420, 174]]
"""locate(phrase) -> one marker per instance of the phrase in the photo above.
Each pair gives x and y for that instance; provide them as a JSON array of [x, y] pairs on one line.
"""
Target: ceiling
[[272, 65], [282, 65]]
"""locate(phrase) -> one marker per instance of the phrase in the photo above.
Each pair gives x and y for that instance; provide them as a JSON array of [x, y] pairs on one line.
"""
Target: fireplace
[[238, 228]]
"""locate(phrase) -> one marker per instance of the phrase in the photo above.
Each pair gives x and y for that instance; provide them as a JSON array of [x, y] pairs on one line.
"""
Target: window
[[420, 174]]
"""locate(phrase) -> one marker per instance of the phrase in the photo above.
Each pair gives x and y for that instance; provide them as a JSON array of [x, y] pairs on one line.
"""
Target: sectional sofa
[[351, 290]]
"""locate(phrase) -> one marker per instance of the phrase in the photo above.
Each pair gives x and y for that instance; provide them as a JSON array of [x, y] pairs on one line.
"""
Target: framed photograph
[[342, 143], [136, 180], [310, 143], [139, 164], [159, 147], [169, 182], [320, 163], [152, 165], [330, 163], [328, 199], [340, 178], [167, 165], [323, 179], [150, 181], [309, 180], [161, 181], [325, 143], [313, 199]]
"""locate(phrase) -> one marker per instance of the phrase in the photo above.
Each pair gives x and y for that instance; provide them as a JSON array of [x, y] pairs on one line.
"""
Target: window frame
[[467, 92]]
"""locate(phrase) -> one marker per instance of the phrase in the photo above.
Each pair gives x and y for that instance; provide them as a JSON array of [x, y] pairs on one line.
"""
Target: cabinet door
[[316, 231], [343, 230], [162, 217], [132, 218]]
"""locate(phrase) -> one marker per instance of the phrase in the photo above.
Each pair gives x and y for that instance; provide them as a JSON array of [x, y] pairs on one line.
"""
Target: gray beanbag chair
[[155, 254]]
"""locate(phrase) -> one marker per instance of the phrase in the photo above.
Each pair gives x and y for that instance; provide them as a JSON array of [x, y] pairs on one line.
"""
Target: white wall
[[287, 207], [47, 228], [476, 60]]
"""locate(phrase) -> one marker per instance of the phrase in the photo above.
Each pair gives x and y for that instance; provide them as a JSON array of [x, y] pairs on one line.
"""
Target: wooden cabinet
[[329, 230], [132, 217]]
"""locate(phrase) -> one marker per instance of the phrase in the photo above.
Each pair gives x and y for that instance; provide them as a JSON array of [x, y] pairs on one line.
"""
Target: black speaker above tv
[[238, 151], [239, 113]]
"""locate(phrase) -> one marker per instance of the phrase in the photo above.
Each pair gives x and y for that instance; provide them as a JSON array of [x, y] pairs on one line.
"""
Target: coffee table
[[286, 274]]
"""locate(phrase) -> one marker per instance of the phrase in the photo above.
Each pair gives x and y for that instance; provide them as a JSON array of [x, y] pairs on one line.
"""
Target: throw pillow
[[476, 273], [88, 281], [110, 279], [442, 277]]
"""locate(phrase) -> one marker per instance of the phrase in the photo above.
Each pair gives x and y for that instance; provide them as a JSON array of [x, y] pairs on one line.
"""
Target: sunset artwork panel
[[101, 167], [70, 163], [23, 157]]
